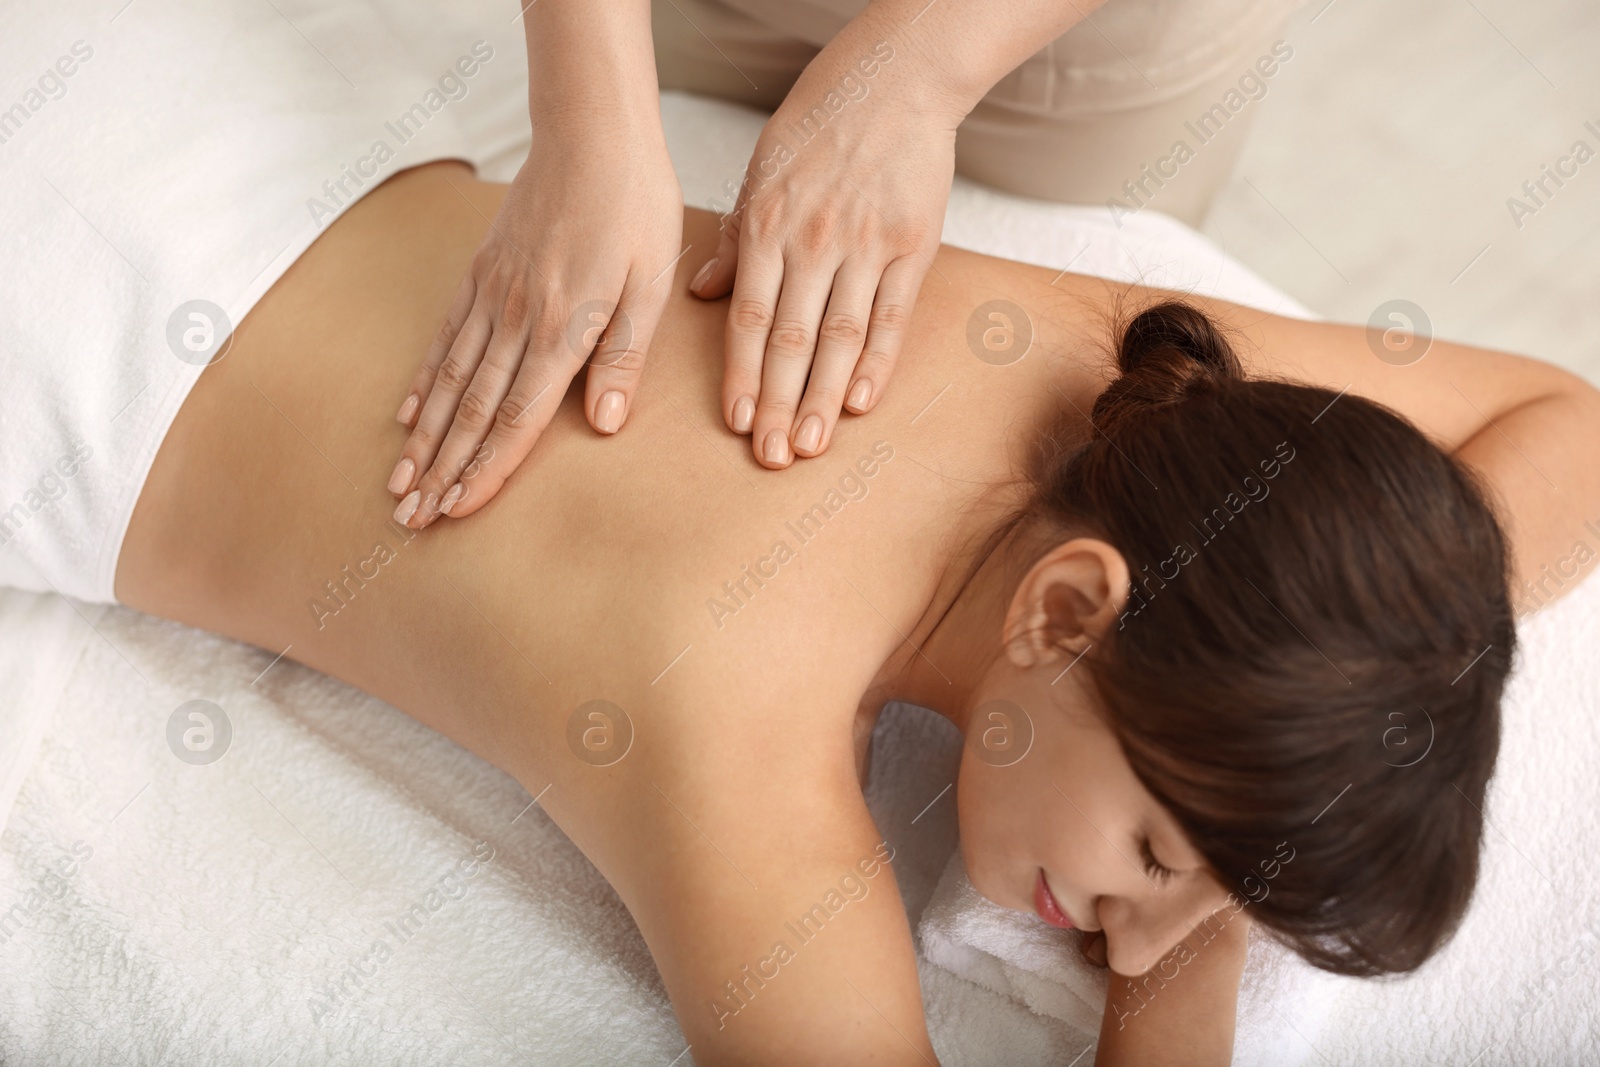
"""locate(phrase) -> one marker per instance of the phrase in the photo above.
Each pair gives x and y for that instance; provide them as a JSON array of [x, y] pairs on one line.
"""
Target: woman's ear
[[1067, 601]]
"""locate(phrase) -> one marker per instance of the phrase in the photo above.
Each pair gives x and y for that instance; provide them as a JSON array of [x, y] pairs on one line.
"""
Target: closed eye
[[1152, 867]]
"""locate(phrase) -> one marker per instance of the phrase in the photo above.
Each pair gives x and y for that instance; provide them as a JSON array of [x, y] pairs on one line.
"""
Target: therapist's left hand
[[828, 244]]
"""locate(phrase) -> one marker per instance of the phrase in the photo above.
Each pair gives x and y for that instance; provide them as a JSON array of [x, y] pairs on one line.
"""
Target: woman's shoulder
[[747, 856]]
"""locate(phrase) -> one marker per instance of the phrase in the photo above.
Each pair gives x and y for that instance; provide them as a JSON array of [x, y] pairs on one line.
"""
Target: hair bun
[[1166, 354]]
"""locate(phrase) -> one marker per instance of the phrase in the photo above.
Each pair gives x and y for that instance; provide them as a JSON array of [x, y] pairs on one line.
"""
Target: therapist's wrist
[[939, 72], [961, 48], [593, 69], [895, 66]]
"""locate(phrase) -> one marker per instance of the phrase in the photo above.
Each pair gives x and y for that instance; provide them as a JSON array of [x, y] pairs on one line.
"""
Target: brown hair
[[1311, 659]]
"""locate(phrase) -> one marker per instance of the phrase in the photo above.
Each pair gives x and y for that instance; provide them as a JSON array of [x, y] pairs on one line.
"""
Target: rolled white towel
[[1283, 1001]]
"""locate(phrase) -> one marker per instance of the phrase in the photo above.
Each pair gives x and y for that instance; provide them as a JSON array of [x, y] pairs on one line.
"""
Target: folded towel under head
[[1283, 1001]]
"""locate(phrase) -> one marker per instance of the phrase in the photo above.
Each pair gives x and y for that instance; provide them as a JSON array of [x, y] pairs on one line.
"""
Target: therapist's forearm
[[591, 63], [961, 48]]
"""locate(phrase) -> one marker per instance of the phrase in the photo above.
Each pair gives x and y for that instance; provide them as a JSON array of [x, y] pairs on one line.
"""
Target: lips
[[1044, 902]]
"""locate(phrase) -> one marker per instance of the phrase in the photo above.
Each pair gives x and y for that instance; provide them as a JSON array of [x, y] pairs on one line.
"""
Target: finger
[[617, 363], [474, 417], [449, 330], [839, 342], [791, 348], [450, 380], [714, 280], [535, 397], [886, 331], [755, 298]]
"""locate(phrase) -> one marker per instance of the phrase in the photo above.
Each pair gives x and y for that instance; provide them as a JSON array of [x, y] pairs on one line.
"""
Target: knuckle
[[763, 215], [473, 411], [777, 411], [423, 441], [549, 329], [514, 312], [827, 398], [877, 363], [844, 329], [629, 360], [454, 375], [447, 333], [891, 317], [748, 314], [909, 239], [816, 233], [511, 411], [791, 338], [492, 269]]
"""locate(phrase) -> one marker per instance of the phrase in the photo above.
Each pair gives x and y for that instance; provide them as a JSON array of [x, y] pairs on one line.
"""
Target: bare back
[[736, 615]]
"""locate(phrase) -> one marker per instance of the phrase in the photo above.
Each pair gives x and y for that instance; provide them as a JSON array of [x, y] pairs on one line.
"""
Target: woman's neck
[[957, 638]]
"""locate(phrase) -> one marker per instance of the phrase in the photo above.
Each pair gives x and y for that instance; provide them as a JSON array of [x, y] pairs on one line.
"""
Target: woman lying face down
[[1234, 638], [1152, 738]]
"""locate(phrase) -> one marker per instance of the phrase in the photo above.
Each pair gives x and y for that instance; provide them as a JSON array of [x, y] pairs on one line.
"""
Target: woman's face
[[1045, 792]]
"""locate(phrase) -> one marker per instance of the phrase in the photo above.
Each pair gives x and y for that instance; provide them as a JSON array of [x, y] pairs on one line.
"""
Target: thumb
[[715, 279]]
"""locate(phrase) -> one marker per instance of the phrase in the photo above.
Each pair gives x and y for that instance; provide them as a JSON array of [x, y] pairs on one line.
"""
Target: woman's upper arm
[[1181, 1011], [1450, 392], [768, 896], [1529, 429]]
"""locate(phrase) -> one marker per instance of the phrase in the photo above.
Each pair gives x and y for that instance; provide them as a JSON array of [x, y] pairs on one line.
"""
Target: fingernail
[[810, 435], [408, 507], [704, 274], [776, 448], [860, 393], [452, 498], [408, 409], [400, 480], [608, 412], [744, 414]]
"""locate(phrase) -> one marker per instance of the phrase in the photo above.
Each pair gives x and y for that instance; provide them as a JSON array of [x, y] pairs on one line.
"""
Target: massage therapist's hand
[[574, 270], [836, 225], [843, 206]]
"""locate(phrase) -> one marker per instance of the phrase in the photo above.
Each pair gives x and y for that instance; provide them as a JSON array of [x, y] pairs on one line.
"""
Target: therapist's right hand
[[575, 270]]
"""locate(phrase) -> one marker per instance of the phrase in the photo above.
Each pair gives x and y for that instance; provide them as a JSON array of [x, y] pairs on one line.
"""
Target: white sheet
[[231, 913], [154, 155]]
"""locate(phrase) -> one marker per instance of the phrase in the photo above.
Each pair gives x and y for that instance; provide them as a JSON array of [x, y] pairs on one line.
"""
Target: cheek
[[1009, 819], [976, 802], [986, 810]]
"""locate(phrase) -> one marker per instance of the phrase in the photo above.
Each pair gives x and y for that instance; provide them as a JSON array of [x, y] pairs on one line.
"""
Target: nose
[[1139, 936]]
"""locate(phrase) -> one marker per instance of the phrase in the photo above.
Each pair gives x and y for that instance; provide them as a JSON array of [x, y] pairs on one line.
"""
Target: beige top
[[1131, 53]]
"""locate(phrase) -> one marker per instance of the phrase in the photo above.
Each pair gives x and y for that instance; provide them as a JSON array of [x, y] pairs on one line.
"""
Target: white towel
[[1283, 1002], [155, 155], [342, 886], [1010, 952], [215, 911]]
